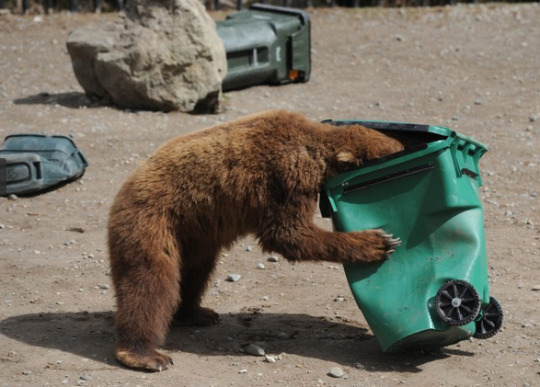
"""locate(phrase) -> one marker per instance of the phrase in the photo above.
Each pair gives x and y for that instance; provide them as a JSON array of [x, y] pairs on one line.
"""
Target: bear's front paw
[[148, 360], [375, 245]]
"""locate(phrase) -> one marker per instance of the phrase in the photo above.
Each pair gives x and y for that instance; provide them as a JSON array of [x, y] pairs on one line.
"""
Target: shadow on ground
[[91, 335], [74, 100]]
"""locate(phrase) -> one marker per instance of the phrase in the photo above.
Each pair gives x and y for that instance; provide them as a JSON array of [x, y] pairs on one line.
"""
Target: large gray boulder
[[159, 55]]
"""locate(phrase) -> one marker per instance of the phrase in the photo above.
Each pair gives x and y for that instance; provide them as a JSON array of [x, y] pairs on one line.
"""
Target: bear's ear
[[345, 157]]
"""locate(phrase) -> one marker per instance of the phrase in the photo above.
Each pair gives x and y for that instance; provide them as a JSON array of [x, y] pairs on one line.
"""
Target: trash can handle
[[468, 148]]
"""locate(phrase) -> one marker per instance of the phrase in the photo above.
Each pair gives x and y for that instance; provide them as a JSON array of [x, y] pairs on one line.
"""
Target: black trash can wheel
[[457, 302], [491, 321]]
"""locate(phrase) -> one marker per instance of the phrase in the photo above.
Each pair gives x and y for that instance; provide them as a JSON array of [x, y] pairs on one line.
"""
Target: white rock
[[232, 277], [269, 358], [336, 372]]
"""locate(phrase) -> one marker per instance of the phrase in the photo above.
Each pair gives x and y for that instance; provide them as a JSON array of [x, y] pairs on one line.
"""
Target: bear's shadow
[[91, 335]]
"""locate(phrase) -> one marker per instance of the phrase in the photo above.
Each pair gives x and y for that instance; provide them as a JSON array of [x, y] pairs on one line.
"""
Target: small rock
[[336, 372], [2, 226], [359, 366], [80, 230], [269, 358], [243, 371], [536, 288], [255, 350], [260, 266], [85, 377], [272, 258], [232, 277], [13, 197], [249, 248]]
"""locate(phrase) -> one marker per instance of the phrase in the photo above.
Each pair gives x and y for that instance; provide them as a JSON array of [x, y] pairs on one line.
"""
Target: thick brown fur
[[199, 193]]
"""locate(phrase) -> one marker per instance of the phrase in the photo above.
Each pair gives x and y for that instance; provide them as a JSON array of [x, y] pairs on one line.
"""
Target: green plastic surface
[[429, 198], [263, 44], [32, 163]]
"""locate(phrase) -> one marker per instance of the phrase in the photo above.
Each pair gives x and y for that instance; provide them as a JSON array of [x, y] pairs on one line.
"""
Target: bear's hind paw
[[151, 360], [201, 317]]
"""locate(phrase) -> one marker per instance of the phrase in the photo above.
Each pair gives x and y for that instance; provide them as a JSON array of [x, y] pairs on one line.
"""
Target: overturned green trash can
[[266, 45], [433, 291], [35, 163]]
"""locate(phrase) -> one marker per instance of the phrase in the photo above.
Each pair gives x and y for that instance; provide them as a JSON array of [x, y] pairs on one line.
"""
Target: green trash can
[[433, 291], [35, 163], [266, 45]]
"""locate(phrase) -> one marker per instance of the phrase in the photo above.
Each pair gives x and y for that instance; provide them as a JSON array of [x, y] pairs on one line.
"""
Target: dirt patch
[[471, 68]]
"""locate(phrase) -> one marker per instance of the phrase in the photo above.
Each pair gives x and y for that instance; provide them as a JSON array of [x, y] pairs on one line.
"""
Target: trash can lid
[[398, 126]]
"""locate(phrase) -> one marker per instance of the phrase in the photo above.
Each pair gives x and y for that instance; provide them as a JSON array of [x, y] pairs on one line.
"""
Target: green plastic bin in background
[[433, 291], [266, 45]]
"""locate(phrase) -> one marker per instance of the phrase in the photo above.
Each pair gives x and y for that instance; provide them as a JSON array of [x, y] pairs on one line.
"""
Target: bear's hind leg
[[145, 273], [197, 266]]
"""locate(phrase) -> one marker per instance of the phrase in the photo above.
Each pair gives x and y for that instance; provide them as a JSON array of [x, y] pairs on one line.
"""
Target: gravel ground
[[472, 68]]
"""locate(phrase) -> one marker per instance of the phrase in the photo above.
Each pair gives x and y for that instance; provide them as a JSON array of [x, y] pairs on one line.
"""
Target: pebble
[[232, 277], [260, 266], [272, 258], [269, 358], [536, 288], [336, 372], [255, 350], [249, 248]]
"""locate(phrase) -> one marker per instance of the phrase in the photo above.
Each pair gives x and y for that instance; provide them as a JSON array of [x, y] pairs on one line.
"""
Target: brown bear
[[199, 193]]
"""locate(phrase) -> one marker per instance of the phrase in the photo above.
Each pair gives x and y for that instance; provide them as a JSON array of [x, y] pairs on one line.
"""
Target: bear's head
[[359, 145]]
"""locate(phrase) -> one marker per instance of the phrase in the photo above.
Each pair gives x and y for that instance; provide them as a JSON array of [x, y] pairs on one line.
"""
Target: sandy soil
[[472, 68]]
